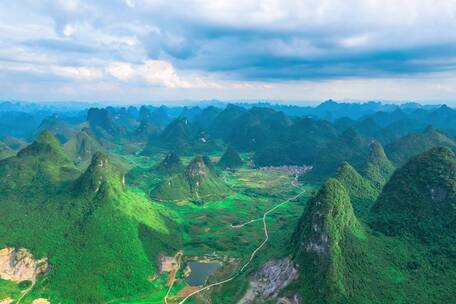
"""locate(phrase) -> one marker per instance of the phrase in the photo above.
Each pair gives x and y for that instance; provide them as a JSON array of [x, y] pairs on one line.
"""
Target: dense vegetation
[[230, 159], [408, 232], [104, 192], [55, 213], [197, 182]]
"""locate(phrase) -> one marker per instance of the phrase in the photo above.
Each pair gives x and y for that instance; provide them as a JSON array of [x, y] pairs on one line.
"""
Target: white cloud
[[158, 73], [163, 73], [80, 73], [91, 35], [355, 41], [70, 5], [121, 70], [195, 45], [69, 30], [130, 3]]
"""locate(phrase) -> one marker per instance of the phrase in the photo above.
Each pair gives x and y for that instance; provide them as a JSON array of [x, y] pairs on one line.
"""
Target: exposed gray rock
[[318, 241], [294, 299], [19, 265], [269, 280]]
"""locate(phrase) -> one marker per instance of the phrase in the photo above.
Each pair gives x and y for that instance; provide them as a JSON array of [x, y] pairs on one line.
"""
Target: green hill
[[360, 190], [405, 255], [326, 242], [42, 162], [224, 122], [105, 126], [171, 164], [350, 146], [5, 151], [379, 168], [102, 240], [13, 142], [257, 128], [145, 130], [420, 198], [230, 159], [82, 147], [182, 136], [61, 130], [177, 134], [415, 143], [300, 144], [99, 175], [197, 184]]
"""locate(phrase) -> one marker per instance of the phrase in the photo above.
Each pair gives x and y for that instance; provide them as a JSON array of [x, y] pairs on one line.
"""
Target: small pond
[[201, 272]]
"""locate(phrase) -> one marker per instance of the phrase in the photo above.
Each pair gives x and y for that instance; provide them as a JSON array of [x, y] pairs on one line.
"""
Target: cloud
[[71, 72], [69, 30], [158, 73], [121, 70], [130, 3], [81, 73], [154, 72], [242, 45]]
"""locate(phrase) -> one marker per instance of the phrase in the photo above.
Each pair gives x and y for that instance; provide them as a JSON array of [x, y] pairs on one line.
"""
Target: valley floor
[[243, 231]]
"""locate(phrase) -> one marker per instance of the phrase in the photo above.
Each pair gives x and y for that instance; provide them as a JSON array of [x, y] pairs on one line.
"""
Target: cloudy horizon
[[131, 51]]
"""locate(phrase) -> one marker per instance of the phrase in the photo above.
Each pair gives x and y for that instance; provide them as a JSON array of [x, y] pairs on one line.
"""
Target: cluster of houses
[[294, 170]]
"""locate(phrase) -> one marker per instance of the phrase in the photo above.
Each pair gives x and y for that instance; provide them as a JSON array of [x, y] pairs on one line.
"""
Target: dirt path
[[253, 254], [24, 293], [172, 274]]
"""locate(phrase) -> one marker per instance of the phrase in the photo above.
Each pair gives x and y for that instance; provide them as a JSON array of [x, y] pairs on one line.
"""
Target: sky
[[299, 51]]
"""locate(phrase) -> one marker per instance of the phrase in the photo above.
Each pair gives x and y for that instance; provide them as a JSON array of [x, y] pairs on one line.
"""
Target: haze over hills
[[338, 203]]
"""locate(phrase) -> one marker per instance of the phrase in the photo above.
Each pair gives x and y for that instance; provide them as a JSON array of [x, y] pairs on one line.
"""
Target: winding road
[[252, 255]]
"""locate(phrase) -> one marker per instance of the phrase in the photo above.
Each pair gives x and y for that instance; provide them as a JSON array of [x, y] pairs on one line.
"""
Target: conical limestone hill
[[230, 159]]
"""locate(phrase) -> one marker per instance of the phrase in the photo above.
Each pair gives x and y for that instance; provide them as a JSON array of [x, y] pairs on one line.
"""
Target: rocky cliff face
[[327, 230], [269, 280], [197, 169], [19, 265]]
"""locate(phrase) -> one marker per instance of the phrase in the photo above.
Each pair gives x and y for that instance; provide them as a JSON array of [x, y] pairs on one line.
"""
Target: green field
[[206, 230]]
